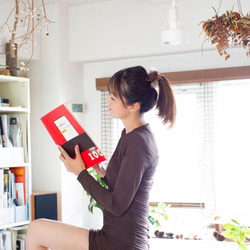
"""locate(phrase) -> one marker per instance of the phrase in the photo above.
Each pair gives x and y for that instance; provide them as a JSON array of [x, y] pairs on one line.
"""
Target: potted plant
[[157, 214], [236, 232]]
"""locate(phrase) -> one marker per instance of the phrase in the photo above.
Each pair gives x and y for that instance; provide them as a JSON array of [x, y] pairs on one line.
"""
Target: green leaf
[[235, 237], [230, 234], [229, 226], [157, 223], [151, 220], [227, 234], [235, 221], [242, 236], [242, 245], [152, 210], [98, 206], [91, 208]]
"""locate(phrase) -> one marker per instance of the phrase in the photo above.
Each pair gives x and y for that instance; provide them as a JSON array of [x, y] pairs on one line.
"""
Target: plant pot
[[11, 62]]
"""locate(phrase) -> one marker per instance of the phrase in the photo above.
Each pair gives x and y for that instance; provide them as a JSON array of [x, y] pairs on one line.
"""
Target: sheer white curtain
[[185, 173]]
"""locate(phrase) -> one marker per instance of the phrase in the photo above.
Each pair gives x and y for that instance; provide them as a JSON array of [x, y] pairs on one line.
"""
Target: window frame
[[195, 76]]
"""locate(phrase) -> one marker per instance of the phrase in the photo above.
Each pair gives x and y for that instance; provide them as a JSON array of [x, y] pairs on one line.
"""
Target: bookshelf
[[17, 90]]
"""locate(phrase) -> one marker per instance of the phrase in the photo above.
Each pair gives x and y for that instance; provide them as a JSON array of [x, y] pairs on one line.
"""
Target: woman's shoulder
[[140, 136], [141, 142]]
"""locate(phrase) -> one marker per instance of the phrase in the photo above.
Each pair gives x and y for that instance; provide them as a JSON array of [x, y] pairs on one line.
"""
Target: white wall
[[55, 80], [116, 34]]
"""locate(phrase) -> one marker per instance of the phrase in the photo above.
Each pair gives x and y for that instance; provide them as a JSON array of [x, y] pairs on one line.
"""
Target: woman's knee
[[35, 224], [34, 227]]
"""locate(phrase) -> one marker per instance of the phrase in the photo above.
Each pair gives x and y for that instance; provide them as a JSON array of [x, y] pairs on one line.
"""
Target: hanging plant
[[231, 29]]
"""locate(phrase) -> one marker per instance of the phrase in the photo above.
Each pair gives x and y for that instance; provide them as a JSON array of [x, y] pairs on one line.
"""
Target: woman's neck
[[133, 123]]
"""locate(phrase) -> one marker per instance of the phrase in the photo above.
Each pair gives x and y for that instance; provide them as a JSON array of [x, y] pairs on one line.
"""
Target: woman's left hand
[[74, 166]]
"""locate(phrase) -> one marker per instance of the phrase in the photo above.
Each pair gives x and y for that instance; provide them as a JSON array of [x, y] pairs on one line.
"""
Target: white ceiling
[[79, 2], [73, 2]]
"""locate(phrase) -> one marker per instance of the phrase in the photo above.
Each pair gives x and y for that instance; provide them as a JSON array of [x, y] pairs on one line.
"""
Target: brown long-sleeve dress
[[129, 177]]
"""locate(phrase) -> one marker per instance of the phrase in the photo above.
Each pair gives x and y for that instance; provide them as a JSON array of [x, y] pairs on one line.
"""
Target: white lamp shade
[[174, 37], [173, 33]]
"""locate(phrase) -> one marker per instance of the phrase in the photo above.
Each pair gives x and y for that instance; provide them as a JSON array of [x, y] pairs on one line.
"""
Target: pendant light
[[173, 32]]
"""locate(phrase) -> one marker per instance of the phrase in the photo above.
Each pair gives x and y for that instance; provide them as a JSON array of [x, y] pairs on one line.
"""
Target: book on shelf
[[13, 195], [7, 192], [14, 130], [1, 187], [66, 131], [10, 130], [20, 244], [12, 187], [5, 240], [20, 184], [3, 130], [18, 236]]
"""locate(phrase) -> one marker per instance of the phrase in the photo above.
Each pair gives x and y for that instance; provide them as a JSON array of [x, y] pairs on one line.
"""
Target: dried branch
[[27, 19]]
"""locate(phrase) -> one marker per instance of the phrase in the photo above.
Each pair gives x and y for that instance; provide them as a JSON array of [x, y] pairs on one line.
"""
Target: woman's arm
[[128, 180]]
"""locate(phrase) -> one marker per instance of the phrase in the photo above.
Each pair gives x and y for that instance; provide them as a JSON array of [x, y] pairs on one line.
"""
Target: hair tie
[[154, 77]]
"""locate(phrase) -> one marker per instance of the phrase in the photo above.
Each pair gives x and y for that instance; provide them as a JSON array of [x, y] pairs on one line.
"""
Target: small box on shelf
[[5, 102], [20, 213], [13, 214], [7, 215]]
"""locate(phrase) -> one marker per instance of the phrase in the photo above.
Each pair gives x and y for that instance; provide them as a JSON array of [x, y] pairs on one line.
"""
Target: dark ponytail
[[166, 102], [133, 85]]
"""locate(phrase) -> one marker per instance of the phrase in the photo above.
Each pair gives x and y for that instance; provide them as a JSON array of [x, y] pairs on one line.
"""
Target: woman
[[129, 174]]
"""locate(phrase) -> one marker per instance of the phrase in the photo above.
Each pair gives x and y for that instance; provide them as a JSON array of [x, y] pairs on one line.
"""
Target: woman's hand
[[74, 166], [99, 170]]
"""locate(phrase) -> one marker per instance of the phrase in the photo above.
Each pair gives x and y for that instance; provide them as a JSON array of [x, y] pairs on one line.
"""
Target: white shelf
[[14, 110], [13, 165], [23, 223], [17, 90]]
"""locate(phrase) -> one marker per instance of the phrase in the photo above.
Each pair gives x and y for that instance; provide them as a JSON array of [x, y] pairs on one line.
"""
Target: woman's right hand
[[99, 170]]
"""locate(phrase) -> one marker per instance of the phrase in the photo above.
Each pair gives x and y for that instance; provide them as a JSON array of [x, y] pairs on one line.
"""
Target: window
[[181, 149], [204, 158]]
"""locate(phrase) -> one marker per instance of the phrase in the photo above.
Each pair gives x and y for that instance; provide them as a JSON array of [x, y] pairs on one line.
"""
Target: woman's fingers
[[73, 165], [77, 151], [64, 154]]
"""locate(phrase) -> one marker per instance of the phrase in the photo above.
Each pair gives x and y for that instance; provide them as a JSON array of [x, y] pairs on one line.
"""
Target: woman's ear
[[135, 107]]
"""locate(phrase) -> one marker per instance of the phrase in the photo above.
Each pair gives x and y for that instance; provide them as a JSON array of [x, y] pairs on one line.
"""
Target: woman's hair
[[134, 84]]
